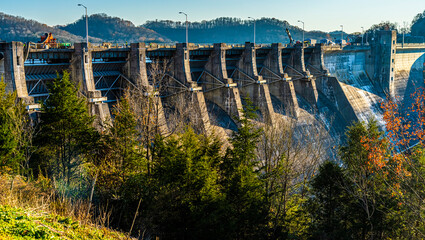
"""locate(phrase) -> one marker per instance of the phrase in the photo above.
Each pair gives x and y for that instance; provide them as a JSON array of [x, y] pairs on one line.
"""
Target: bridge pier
[[253, 85], [14, 71], [82, 71], [217, 86], [280, 83]]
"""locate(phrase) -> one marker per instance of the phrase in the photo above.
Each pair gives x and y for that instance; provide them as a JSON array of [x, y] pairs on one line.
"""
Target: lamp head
[[79, 5]]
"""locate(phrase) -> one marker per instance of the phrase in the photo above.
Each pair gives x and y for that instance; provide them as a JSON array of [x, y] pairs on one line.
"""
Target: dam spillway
[[344, 84]]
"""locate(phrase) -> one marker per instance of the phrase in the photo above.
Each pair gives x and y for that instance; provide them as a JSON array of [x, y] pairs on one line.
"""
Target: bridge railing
[[411, 45]]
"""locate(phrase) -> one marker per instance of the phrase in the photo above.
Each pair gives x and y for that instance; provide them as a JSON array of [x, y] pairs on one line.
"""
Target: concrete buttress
[[304, 82], [181, 84], [139, 76], [14, 71], [253, 85], [217, 86], [82, 71], [280, 83]]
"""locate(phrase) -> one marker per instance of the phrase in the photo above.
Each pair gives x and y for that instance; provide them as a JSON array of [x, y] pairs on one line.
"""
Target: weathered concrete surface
[[82, 71], [136, 70], [280, 84], [181, 79], [219, 87], [13, 69], [352, 90], [253, 85], [305, 87], [409, 66]]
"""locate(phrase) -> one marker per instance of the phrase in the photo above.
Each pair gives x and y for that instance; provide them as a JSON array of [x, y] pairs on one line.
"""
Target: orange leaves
[[377, 152]]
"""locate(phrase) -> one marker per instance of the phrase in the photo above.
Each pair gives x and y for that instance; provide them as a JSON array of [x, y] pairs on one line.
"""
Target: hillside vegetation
[[232, 30], [266, 182], [34, 210], [113, 29], [20, 29]]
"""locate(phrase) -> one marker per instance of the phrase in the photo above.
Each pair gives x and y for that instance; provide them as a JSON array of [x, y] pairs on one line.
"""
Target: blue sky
[[325, 15]]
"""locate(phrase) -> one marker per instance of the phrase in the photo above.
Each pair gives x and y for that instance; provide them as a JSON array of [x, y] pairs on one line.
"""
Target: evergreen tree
[[66, 132], [14, 127], [186, 196], [245, 201], [330, 203], [372, 199], [122, 154]]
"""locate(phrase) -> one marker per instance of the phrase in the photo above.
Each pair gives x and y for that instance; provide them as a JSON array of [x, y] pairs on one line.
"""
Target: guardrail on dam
[[347, 83]]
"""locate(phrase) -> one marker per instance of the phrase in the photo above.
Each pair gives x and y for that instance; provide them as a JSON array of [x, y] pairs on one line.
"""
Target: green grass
[[16, 223]]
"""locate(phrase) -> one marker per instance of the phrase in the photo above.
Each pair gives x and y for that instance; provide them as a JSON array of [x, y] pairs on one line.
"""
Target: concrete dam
[[332, 85]]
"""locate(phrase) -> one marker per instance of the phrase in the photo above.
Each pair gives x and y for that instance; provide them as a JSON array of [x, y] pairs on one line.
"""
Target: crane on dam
[[291, 40]]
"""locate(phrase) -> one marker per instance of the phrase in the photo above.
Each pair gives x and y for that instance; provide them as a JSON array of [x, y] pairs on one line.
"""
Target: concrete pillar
[[383, 50], [253, 85], [182, 66], [82, 72], [316, 59], [137, 73], [282, 88], [13, 69], [306, 86], [227, 97], [193, 97]]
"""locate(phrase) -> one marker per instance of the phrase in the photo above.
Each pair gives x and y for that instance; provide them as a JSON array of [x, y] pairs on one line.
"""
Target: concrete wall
[[349, 69], [409, 66], [2, 67], [13, 68]]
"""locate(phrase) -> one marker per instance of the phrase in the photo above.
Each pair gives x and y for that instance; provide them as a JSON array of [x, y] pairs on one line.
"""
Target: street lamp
[[342, 33], [303, 30], [362, 34], [87, 25], [254, 27], [404, 31], [187, 36]]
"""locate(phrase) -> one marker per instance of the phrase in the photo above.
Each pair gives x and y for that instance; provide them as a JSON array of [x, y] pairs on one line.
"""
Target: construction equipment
[[291, 41], [47, 41]]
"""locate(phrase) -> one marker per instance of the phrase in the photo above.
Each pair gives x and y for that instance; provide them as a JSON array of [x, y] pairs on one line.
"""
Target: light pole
[[187, 36], [303, 30], [362, 34], [87, 25], [342, 33], [253, 19], [404, 31]]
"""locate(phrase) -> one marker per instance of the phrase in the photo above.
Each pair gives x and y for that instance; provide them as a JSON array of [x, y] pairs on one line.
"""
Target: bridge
[[281, 80]]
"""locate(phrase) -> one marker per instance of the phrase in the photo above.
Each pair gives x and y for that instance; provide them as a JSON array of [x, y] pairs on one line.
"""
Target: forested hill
[[231, 30], [113, 29], [418, 25], [14, 28]]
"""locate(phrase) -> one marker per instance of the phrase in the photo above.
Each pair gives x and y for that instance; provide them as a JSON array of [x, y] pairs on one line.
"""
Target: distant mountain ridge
[[233, 30], [104, 28], [14, 28], [113, 29]]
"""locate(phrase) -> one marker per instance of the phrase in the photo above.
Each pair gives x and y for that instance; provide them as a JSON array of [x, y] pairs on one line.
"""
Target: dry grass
[[41, 200]]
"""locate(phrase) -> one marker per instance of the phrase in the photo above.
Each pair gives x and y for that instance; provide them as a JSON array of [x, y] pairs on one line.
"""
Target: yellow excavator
[[47, 41]]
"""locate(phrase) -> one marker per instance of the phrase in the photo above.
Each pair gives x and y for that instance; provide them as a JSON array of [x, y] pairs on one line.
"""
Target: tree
[[66, 131], [364, 154], [122, 153], [185, 196], [15, 133], [289, 155], [330, 204], [246, 213]]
